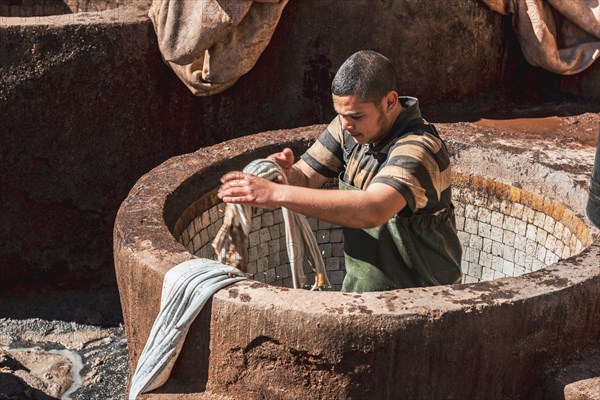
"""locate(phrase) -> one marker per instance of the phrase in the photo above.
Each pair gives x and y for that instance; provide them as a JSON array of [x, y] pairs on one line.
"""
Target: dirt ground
[[42, 359], [55, 330], [577, 130], [569, 123]]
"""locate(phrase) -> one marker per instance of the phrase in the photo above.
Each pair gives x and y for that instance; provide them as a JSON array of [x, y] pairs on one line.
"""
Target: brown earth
[[577, 130], [36, 374]]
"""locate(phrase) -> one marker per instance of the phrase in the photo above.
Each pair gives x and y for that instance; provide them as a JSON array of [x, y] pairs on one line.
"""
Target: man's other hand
[[285, 159]]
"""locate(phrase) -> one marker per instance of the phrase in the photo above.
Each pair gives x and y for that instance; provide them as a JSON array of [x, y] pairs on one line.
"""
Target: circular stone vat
[[260, 339]]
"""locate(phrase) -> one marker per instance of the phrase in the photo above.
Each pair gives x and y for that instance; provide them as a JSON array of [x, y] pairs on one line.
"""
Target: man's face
[[366, 122]]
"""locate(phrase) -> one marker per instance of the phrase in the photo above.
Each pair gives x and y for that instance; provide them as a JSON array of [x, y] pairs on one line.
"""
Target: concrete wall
[[88, 106]]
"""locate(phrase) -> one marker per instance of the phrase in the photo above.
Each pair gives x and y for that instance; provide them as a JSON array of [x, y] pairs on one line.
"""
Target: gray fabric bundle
[[186, 289]]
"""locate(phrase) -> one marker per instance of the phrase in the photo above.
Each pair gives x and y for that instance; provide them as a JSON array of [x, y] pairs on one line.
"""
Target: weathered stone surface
[[44, 8], [574, 378], [588, 389]]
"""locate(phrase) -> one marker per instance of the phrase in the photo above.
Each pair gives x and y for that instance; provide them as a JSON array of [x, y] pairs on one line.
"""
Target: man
[[394, 198]]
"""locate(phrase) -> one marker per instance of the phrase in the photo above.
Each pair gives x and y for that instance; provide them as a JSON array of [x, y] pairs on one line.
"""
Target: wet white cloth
[[186, 289], [562, 36], [210, 44], [188, 286], [231, 241]]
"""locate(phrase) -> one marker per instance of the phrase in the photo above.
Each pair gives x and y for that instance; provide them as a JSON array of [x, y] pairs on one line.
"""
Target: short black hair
[[367, 75]]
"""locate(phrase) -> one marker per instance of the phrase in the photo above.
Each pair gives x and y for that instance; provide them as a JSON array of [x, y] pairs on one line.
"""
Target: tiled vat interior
[[507, 231], [504, 231], [268, 260]]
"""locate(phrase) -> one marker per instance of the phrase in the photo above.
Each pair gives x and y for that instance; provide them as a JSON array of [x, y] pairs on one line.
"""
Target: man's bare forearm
[[297, 177], [353, 209]]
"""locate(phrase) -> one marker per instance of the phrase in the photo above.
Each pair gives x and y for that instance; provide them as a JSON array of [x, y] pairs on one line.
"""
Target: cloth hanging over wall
[[210, 44], [562, 36], [188, 286], [186, 289]]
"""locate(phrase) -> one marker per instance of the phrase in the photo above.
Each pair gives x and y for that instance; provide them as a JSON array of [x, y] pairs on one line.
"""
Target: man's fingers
[[233, 175], [279, 158], [239, 187], [235, 193], [288, 154], [284, 158], [237, 199], [232, 191], [237, 176], [234, 187]]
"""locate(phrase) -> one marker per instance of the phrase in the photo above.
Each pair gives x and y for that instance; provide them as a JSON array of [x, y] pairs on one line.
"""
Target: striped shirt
[[411, 158]]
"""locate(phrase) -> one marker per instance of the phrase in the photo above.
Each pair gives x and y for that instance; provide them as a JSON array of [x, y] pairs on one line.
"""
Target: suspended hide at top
[[210, 44], [562, 36]]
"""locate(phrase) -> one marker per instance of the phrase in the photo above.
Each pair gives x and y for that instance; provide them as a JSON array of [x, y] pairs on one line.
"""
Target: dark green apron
[[422, 250]]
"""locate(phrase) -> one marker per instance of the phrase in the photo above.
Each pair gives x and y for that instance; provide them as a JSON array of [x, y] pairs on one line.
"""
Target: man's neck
[[393, 118]]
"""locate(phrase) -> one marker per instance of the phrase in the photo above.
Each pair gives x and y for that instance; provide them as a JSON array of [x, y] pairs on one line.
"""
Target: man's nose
[[347, 124]]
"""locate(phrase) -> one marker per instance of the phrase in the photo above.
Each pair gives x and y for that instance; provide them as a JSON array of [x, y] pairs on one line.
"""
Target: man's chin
[[360, 139]]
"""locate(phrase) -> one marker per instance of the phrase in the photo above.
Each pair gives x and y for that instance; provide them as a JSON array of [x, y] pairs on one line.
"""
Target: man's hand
[[241, 188], [299, 173], [285, 159]]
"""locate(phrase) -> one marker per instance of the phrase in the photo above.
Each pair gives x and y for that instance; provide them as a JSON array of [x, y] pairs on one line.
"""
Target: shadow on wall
[[88, 107]]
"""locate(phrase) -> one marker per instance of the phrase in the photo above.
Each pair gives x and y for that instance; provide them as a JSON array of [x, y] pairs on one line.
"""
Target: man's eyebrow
[[351, 114]]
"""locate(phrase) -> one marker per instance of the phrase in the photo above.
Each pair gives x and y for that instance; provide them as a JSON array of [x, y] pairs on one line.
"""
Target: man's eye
[[357, 117]]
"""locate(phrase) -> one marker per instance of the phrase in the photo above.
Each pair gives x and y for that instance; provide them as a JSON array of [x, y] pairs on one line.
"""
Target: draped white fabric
[[210, 44], [186, 289], [562, 36]]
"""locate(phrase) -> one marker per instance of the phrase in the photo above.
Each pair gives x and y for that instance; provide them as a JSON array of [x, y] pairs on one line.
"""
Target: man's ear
[[391, 101]]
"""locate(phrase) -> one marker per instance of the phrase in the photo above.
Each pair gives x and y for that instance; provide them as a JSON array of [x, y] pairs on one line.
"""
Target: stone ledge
[[124, 14], [588, 389]]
